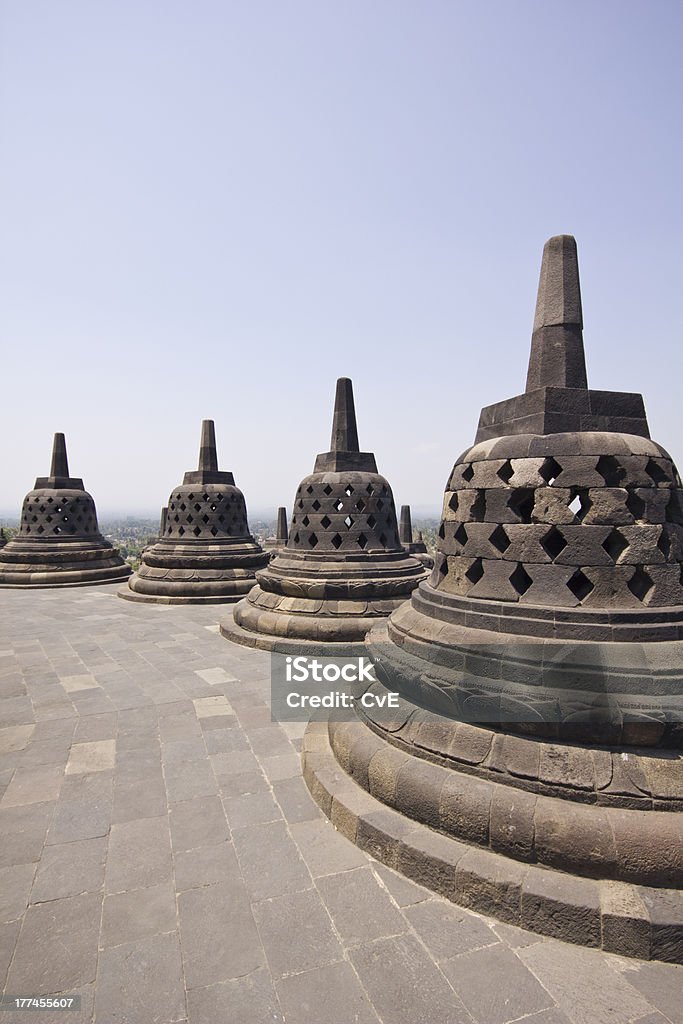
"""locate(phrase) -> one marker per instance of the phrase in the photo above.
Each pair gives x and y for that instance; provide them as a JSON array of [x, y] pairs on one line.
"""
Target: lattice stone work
[[344, 513], [206, 513], [49, 514]]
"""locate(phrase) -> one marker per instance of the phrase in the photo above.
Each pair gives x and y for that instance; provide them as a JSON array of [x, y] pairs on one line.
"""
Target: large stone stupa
[[59, 543], [343, 567], [534, 769], [205, 553]]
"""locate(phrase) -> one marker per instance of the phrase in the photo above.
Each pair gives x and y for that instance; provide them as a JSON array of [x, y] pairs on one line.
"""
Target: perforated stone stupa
[[205, 552], [343, 567], [534, 769], [59, 543]]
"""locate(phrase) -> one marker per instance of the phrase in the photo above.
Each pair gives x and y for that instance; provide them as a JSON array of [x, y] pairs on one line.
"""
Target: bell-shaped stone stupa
[[205, 553], [59, 543], [405, 534], [534, 769], [343, 567]]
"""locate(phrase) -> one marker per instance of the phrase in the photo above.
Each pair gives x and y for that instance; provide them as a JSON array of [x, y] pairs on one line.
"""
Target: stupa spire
[[281, 531], [557, 355], [208, 456], [405, 529], [344, 429], [59, 466]]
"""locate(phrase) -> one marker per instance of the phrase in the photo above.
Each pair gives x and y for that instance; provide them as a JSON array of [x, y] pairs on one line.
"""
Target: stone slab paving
[[160, 855]]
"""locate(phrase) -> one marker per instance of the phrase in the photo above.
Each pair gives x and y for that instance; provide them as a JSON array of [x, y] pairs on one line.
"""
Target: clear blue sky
[[214, 209]]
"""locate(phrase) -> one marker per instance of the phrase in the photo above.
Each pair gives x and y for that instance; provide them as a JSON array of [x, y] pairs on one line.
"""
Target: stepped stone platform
[[160, 855]]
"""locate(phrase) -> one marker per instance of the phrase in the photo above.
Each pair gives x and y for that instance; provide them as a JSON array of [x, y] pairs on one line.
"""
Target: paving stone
[[15, 738], [139, 854], [244, 783], [205, 865], [186, 780], [282, 766], [326, 851], [9, 934], [54, 753], [310, 943], [660, 984], [447, 930], [269, 741], [142, 799], [96, 727], [582, 982], [84, 808], [97, 756], [269, 860], [402, 890], [494, 986], [15, 885], [250, 808], [128, 916], [404, 985], [22, 847], [33, 785], [141, 982], [332, 991], [360, 907], [228, 741], [73, 684], [69, 869], [295, 800], [212, 707], [57, 947], [249, 1000], [199, 822], [183, 750], [215, 676], [218, 935]]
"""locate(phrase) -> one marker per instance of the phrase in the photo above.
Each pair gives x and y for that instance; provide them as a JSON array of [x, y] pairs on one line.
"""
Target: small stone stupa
[[205, 553], [279, 541], [59, 543], [534, 768], [343, 567], [413, 547]]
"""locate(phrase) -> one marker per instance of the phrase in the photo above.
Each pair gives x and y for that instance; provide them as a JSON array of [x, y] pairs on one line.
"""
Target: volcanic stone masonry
[[534, 769], [405, 534], [343, 567], [281, 533], [59, 543], [205, 553]]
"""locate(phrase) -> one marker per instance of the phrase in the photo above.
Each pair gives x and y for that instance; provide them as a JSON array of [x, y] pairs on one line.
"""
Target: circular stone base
[[618, 917], [59, 581], [131, 595], [284, 645]]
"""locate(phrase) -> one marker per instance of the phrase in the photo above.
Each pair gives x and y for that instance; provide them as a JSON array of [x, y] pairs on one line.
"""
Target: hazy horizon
[[215, 210]]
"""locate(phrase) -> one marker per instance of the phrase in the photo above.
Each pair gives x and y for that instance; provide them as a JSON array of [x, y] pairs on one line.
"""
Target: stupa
[[205, 553], [534, 767], [343, 567], [279, 541], [59, 543], [405, 534]]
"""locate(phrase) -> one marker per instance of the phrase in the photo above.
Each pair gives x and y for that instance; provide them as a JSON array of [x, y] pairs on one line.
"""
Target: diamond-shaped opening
[[309, 489], [453, 502], [370, 488], [360, 504], [305, 521], [205, 519], [383, 539], [500, 539], [197, 506], [221, 518], [327, 489], [42, 508], [475, 571], [468, 473], [190, 497], [656, 473], [57, 529], [181, 530], [183, 507], [550, 470], [461, 535], [371, 521], [553, 543], [664, 542], [580, 585], [176, 519], [316, 505], [325, 522], [190, 519], [521, 501], [219, 497], [520, 579], [640, 584], [380, 504], [196, 531], [348, 522], [580, 504], [214, 531], [615, 544], [49, 519], [213, 508], [361, 540], [339, 504], [611, 470], [348, 490], [442, 532], [206, 497], [313, 540], [50, 500], [636, 506], [301, 504], [443, 566], [506, 472], [337, 541], [296, 538]]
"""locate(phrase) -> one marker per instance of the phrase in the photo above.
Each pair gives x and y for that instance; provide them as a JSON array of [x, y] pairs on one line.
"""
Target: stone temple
[[205, 552], [59, 543], [405, 533], [273, 545], [343, 567], [533, 769]]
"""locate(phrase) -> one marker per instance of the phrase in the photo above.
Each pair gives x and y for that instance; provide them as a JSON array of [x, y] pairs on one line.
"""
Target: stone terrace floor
[[160, 855]]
